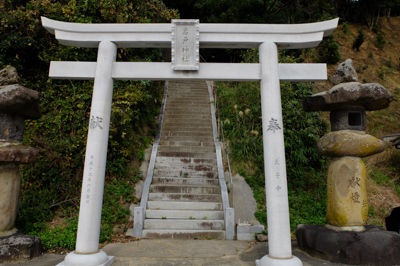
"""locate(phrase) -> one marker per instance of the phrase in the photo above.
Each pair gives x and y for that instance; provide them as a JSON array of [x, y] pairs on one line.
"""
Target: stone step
[[207, 139], [188, 87], [188, 112], [184, 214], [188, 120], [186, 109], [185, 197], [186, 181], [178, 95], [165, 224], [171, 115], [198, 149], [193, 104], [195, 98], [194, 133], [197, 155], [183, 128], [184, 234], [185, 167], [190, 126], [186, 161], [187, 91], [184, 173], [188, 143], [177, 205], [188, 189], [189, 100], [189, 82]]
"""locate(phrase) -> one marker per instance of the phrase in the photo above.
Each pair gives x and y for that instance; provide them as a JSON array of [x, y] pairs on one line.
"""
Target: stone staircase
[[185, 196]]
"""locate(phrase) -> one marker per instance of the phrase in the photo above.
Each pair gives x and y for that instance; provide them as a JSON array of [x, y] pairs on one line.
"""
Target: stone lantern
[[347, 143], [345, 238], [17, 103]]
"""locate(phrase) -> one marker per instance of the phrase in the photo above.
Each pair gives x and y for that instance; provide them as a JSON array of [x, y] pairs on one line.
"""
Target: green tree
[[53, 182]]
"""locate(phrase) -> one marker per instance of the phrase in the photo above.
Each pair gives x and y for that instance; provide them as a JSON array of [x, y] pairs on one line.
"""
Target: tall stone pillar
[[280, 246], [87, 251]]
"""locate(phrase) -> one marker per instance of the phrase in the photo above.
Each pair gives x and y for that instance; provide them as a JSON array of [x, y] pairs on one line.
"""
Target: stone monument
[[347, 208], [17, 103]]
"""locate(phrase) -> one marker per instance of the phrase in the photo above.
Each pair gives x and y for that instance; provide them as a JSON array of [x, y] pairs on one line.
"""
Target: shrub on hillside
[[328, 51], [359, 40]]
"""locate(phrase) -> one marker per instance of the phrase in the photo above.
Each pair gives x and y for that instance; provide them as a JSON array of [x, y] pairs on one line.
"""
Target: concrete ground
[[184, 252]]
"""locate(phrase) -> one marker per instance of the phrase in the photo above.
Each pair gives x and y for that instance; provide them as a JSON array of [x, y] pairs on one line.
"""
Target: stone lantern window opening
[[348, 119], [355, 118]]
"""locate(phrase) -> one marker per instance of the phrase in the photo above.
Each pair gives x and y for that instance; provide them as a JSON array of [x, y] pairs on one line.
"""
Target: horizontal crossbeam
[[208, 71], [287, 36]]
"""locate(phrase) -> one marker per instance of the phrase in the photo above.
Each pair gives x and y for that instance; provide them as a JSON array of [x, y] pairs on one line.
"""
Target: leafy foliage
[[359, 40], [380, 40], [54, 181], [328, 51]]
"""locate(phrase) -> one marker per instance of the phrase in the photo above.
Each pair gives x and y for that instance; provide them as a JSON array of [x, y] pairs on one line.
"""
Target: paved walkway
[[183, 252]]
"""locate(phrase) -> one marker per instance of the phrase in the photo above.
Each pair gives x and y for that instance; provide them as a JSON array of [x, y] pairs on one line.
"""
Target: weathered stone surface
[[243, 200], [11, 127], [347, 193], [20, 101], [18, 154], [248, 232], [345, 72], [348, 119], [349, 143], [374, 246], [10, 183], [19, 247], [118, 229], [8, 76], [372, 96], [262, 238]]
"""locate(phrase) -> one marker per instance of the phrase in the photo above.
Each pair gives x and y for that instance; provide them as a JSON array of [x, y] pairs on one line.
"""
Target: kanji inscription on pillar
[[185, 44]]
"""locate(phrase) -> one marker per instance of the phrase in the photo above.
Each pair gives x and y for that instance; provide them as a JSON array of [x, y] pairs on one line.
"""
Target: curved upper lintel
[[76, 34]]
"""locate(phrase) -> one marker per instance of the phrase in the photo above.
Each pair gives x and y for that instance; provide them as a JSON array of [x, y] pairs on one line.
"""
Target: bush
[[328, 51], [359, 40], [380, 40], [345, 27]]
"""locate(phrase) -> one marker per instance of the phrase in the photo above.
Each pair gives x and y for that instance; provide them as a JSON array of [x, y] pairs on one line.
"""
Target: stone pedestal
[[373, 246], [10, 186], [347, 192], [19, 247]]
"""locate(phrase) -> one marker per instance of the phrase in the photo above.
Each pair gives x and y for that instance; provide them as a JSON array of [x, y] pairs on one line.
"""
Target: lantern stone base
[[19, 247], [373, 246], [347, 192]]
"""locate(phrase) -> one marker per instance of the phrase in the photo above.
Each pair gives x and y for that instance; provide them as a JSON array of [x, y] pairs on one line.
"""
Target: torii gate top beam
[[138, 35]]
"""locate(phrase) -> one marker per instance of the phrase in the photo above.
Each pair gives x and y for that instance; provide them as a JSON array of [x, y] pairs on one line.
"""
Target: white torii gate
[[108, 37]]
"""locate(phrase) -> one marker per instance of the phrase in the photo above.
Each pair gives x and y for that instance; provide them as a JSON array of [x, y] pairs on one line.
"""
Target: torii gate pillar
[[279, 242]]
